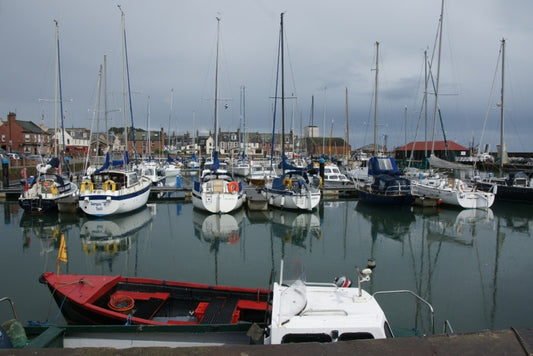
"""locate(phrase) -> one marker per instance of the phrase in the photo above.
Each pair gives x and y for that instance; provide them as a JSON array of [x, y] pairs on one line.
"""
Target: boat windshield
[[293, 297]]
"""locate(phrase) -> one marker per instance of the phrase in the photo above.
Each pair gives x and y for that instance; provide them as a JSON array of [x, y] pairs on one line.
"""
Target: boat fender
[[53, 190], [110, 185], [287, 181], [343, 282], [87, 185], [320, 181], [233, 187]]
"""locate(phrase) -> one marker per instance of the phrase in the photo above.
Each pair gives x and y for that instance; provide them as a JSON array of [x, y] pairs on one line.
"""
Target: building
[[444, 150], [23, 136]]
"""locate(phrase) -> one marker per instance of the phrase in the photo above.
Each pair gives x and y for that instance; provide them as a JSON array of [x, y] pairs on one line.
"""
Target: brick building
[[23, 136]]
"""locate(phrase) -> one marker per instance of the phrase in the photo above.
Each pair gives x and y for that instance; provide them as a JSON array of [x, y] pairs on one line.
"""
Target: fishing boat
[[385, 186], [46, 191], [217, 191], [142, 301], [294, 189]]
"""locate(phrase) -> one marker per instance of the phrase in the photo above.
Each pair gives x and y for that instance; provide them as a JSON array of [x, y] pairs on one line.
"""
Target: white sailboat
[[450, 191], [108, 190], [217, 191], [294, 189], [49, 189]]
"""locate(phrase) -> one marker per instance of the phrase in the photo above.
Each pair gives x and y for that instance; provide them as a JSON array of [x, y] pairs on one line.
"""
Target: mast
[[216, 87], [376, 102], [124, 75], [347, 135], [282, 92], [60, 97], [56, 90], [105, 103], [502, 121], [436, 109], [170, 116]]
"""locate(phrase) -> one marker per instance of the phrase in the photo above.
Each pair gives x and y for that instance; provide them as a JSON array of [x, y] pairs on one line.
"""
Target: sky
[[330, 49]]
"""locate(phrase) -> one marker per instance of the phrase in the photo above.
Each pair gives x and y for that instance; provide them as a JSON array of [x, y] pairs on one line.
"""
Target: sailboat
[[294, 189], [384, 186], [516, 186], [111, 190], [217, 191], [451, 191], [49, 188]]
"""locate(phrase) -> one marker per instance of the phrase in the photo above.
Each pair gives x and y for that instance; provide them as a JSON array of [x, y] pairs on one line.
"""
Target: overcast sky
[[330, 46]]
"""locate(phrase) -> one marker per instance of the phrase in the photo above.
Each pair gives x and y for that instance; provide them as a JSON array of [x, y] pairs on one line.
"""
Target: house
[[445, 150], [23, 136]]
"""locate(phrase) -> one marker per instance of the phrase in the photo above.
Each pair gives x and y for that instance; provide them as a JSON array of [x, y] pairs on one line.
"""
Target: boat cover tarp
[[382, 165], [441, 163]]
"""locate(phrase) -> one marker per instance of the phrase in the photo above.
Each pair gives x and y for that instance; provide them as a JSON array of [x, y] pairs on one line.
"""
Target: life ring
[[233, 237], [233, 187], [111, 248], [110, 185], [86, 185], [287, 181]]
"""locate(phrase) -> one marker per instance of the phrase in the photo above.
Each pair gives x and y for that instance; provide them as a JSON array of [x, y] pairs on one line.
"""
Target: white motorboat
[[333, 176], [153, 171], [241, 168]]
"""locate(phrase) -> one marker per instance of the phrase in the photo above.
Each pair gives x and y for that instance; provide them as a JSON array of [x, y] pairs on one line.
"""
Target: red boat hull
[[88, 299]]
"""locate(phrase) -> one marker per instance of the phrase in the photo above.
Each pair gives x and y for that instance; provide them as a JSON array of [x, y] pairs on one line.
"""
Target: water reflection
[[46, 229], [294, 227], [108, 236], [392, 222]]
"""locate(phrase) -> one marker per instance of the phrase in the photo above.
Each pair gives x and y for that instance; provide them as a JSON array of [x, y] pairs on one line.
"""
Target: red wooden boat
[[91, 299]]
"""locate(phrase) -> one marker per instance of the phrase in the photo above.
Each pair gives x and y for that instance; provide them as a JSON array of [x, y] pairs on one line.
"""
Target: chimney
[[11, 117]]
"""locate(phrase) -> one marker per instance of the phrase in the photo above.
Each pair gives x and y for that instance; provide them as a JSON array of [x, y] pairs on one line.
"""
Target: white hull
[[216, 196], [100, 202], [452, 194], [297, 201]]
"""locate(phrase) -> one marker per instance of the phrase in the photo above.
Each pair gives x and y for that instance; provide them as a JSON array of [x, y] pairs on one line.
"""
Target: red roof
[[439, 146]]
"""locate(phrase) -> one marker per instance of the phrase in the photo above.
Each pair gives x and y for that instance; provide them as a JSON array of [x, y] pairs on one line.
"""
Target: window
[[27, 137], [294, 338], [3, 138]]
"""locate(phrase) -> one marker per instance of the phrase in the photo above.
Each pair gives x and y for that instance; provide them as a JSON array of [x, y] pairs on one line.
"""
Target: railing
[[419, 298]]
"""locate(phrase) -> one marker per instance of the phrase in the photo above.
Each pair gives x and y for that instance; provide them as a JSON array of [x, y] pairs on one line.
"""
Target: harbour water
[[473, 266]]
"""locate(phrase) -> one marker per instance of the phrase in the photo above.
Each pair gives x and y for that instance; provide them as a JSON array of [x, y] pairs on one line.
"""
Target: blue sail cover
[[216, 162], [382, 165], [289, 167], [104, 166]]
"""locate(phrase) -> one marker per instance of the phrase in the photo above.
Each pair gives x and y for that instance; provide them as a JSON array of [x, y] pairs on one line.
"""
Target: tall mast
[[502, 121], [438, 78], [376, 102], [124, 79], [170, 116], [216, 86], [282, 91], [61, 97], [56, 90], [105, 102], [347, 135]]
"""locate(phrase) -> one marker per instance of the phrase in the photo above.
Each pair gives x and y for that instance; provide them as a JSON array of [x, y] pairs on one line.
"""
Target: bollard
[[5, 172]]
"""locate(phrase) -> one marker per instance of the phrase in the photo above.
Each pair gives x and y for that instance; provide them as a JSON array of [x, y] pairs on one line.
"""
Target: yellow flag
[[62, 255]]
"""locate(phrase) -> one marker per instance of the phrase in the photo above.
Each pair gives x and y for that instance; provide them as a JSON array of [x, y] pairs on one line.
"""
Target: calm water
[[474, 266]]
